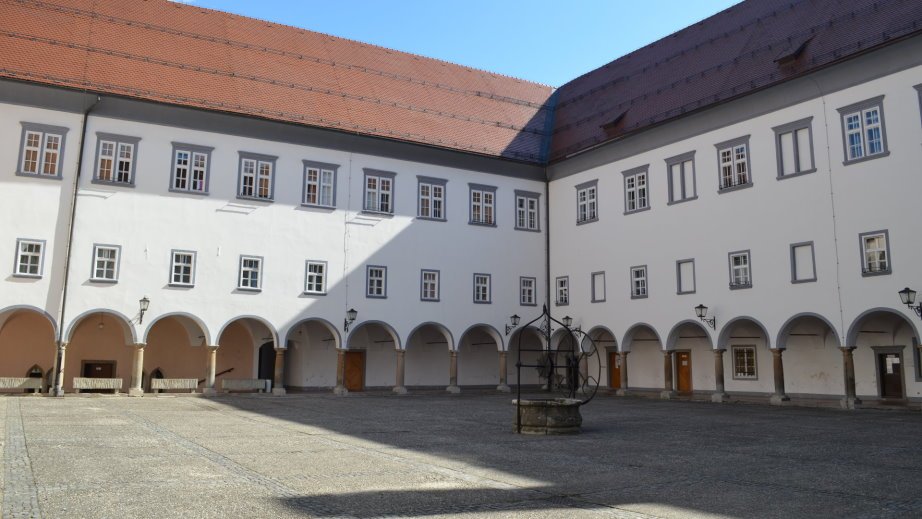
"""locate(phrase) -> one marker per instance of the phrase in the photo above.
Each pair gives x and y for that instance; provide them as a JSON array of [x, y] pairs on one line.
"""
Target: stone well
[[553, 416]]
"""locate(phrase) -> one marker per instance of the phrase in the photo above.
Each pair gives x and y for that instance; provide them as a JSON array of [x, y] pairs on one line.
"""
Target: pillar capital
[[777, 351], [212, 347], [624, 353], [139, 345], [719, 351], [847, 349]]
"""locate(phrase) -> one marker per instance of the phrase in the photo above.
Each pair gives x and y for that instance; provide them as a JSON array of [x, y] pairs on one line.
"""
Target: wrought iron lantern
[[702, 312]]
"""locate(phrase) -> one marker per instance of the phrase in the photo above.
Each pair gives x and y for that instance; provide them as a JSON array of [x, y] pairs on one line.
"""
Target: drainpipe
[[61, 345]]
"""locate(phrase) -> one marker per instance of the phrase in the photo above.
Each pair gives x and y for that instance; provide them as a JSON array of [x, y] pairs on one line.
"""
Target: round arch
[[851, 338], [514, 337], [388, 328], [194, 326], [673, 336], [249, 327], [128, 328], [596, 334], [337, 337], [782, 339], [629, 335], [8, 312], [490, 330], [440, 327], [724, 336]]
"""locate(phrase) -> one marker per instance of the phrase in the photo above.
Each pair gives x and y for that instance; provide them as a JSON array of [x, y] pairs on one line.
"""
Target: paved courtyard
[[433, 455]]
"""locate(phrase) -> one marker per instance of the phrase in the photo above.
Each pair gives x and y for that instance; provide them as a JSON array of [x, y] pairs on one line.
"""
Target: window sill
[[318, 206], [849, 162], [639, 297], [377, 213], [741, 286], [801, 281], [254, 199], [430, 300], [526, 229], [597, 301], [685, 293], [306, 293], [689, 199], [642, 209], [870, 274], [112, 183], [431, 219], [589, 220], [248, 289], [28, 276], [798, 174], [528, 304], [180, 285], [104, 281], [723, 190], [188, 192], [483, 302], [745, 378], [482, 224], [369, 296], [558, 303], [38, 175]]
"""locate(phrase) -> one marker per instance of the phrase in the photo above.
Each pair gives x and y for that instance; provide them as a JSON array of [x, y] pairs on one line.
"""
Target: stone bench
[[164, 384], [21, 383], [246, 384], [97, 384]]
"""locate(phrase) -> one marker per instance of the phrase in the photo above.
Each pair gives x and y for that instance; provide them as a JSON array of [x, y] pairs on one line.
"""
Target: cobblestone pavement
[[435, 455]]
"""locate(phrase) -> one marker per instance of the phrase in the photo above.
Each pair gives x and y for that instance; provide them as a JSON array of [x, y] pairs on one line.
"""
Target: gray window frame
[[594, 296], [44, 129], [313, 164], [858, 107], [794, 246], [586, 185], [172, 282], [326, 277], [117, 139], [748, 253], [483, 188], [489, 288], [864, 271], [646, 277], [792, 127], [534, 290], [633, 172], [379, 173], [438, 285], [678, 276], [680, 160], [431, 181], [732, 143], [755, 361], [384, 284], [192, 149], [527, 195], [557, 290], [258, 157], [118, 263], [41, 259], [262, 269]]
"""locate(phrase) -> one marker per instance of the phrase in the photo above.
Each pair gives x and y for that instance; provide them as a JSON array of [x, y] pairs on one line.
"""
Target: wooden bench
[[115, 384], [246, 384], [165, 384], [21, 383]]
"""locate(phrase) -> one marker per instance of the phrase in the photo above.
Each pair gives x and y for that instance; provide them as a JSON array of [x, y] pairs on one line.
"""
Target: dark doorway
[[683, 372], [99, 369], [614, 370], [354, 376], [155, 374], [266, 369], [890, 374]]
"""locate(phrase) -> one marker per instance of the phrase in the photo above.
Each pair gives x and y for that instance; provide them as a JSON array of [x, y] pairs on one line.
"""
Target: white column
[[137, 373]]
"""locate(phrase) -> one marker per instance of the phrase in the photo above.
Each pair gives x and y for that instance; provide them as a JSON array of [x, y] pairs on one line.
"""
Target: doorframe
[[364, 353], [608, 351], [675, 368], [84, 362], [878, 351]]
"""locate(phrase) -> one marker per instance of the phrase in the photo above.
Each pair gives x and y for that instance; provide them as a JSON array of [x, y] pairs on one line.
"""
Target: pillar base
[[503, 388], [850, 403], [720, 398], [56, 392], [340, 391], [453, 389], [667, 395], [621, 392], [400, 390], [135, 392], [278, 391], [779, 399], [209, 391]]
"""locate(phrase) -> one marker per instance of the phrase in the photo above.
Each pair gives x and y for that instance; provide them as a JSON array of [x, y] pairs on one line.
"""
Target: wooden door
[[354, 377], [683, 371], [614, 370], [99, 370], [891, 375]]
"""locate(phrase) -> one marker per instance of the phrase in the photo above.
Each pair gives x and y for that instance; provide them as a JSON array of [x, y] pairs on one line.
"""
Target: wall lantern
[[908, 297], [351, 314], [567, 321], [144, 304], [515, 322], [702, 312]]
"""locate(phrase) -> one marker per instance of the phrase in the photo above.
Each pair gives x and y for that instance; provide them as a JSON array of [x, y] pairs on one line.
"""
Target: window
[[116, 157], [379, 191], [803, 264], [740, 272], [429, 285], [598, 287], [30, 258], [190, 168], [563, 290], [431, 201], [105, 263], [587, 202], [733, 158], [319, 184], [639, 282], [682, 181], [250, 277], [863, 132], [526, 211], [685, 276], [744, 362], [527, 291], [315, 277], [257, 178], [483, 204], [875, 253], [794, 148], [635, 190], [182, 269], [481, 288], [41, 149], [376, 281]]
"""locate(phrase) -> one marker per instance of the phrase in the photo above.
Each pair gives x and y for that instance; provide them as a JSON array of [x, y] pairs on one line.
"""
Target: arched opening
[[748, 360], [371, 356], [427, 360], [530, 340], [886, 356], [694, 357], [607, 355], [176, 344], [812, 359], [36, 371], [239, 343], [100, 346], [645, 359], [156, 374], [478, 357], [266, 362], [27, 341], [311, 357]]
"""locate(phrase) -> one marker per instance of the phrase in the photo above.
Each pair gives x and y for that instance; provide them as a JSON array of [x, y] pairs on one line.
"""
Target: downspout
[[545, 153], [58, 379]]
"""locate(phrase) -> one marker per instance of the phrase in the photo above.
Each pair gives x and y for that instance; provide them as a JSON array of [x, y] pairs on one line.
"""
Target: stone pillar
[[209, 388], [59, 370], [340, 388], [778, 368], [851, 400], [399, 387], [502, 374], [719, 394], [137, 373], [453, 373], [278, 385], [623, 389], [668, 389]]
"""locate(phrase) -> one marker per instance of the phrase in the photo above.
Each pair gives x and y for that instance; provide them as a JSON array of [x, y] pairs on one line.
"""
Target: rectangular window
[[875, 253], [598, 287], [250, 277], [803, 264], [379, 191], [685, 276], [190, 168], [527, 291], [483, 200], [526, 211], [794, 148], [376, 281], [635, 190], [639, 282], [41, 149], [315, 277], [681, 174], [257, 178], [733, 158], [744, 362], [319, 184], [481, 288], [562, 284], [429, 285], [587, 202], [116, 157], [105, 262], [30, 256], [740, 271], [863, 132], [431, 201], [182, 268]]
